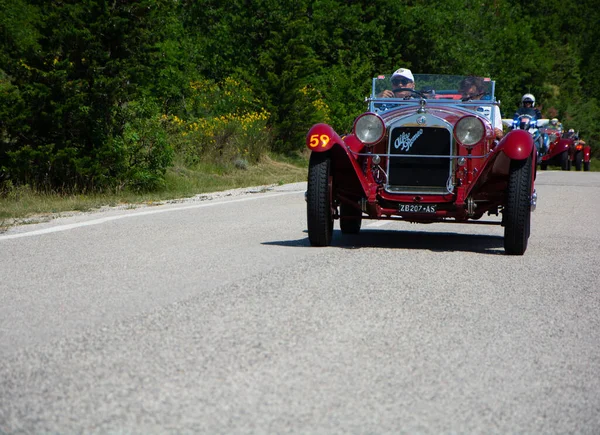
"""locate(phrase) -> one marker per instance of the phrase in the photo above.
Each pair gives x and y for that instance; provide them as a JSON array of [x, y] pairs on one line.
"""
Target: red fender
[[586, 153], [517, 145], [558, 147], [321, 137]]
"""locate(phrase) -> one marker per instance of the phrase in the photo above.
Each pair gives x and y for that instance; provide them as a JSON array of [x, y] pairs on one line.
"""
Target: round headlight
[[369, 128], [469, 131]]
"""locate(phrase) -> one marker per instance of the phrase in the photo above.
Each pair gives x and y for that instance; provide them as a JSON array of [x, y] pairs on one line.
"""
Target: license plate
[[417, 208]]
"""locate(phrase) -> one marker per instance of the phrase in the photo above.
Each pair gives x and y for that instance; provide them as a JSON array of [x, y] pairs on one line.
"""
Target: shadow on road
[[436, 242]]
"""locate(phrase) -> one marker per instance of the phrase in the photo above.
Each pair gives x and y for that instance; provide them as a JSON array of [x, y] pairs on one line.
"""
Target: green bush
[[143, 148]]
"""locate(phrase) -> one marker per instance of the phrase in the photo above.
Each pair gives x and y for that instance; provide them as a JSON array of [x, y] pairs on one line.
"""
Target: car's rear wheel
[[350, 219], [586, 166], [578, 160], [319, 200], [565, 163], [517, 212]]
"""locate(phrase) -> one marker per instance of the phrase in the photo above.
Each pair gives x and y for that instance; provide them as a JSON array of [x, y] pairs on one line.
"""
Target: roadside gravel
[[231, 193]]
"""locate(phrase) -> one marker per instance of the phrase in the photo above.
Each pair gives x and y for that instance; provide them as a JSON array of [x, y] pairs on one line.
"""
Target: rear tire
[[319, 202], [517, 212], [586, 166], [354, 221], [543, 166]]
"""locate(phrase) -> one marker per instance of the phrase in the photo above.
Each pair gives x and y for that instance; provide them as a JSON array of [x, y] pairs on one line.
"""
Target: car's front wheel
[[517, 212], [578, 160], [319, 200], [565, 163]]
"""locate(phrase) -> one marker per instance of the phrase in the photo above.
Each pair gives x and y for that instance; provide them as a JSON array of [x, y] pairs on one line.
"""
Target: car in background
[[579, 155], [559, 151], [426, 158]]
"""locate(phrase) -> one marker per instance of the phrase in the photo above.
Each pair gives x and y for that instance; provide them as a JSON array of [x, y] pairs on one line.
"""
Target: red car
[[429, 157], [579, 155], [558, 151]]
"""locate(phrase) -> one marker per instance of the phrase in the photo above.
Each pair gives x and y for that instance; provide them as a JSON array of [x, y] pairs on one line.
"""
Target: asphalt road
[[216, 316]]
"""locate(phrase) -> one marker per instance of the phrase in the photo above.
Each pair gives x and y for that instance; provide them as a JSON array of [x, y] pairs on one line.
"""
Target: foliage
[[143, 150], [223, 124], [98, 94]]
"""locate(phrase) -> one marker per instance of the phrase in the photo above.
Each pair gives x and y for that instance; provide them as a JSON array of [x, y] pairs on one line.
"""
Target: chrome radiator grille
[[422, 174]]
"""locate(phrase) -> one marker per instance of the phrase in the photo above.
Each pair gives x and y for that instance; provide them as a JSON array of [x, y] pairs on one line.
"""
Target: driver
[[569, 134], [528, 107], [402, 79], [555, 125]]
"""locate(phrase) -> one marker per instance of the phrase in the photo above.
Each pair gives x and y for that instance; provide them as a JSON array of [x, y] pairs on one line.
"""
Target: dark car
[[430, 157]]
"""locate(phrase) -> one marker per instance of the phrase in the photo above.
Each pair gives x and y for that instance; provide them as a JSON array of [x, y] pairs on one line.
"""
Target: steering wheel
[[412, 92], [472, 96]]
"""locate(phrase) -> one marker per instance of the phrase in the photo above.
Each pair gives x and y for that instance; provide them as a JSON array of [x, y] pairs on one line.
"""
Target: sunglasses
[[402, 82]]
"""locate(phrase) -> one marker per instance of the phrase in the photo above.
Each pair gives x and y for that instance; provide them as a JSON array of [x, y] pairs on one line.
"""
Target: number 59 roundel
[[321, 137]]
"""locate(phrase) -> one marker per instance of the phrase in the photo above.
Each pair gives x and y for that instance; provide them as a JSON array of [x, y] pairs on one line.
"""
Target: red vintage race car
[[430, 156], [579, 155], [558, 151]]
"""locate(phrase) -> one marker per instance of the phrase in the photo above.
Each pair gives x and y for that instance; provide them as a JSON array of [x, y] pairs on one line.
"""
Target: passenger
[[473, 88]]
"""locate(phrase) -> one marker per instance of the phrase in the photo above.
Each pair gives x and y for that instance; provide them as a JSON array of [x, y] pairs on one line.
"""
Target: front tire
[[578, 160], [319, 202], [565, 163], [517, 212]]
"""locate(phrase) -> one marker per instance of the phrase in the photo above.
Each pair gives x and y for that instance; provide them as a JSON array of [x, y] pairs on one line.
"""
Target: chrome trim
[[471, 206], [421, 155], [426, 121], [450, 184]]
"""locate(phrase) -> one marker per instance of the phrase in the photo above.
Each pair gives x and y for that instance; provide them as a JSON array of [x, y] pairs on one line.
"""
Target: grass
[[22, 205]]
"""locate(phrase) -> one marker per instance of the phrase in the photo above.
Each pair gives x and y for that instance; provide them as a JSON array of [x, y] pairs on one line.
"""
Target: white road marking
[[378, 224], [132, 215]]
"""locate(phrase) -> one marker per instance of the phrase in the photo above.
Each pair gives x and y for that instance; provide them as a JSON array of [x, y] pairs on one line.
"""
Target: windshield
[[468, 92], [438, 87]]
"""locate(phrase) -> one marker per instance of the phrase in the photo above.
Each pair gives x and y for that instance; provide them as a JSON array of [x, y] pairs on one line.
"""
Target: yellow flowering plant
[[225, 125]]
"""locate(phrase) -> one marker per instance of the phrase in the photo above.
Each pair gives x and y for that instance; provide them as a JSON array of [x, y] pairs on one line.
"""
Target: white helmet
[[528, 97]]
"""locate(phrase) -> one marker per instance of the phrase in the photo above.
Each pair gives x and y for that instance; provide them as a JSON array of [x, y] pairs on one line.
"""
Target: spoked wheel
[[319, 200], [350, 219], [517, 213]]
